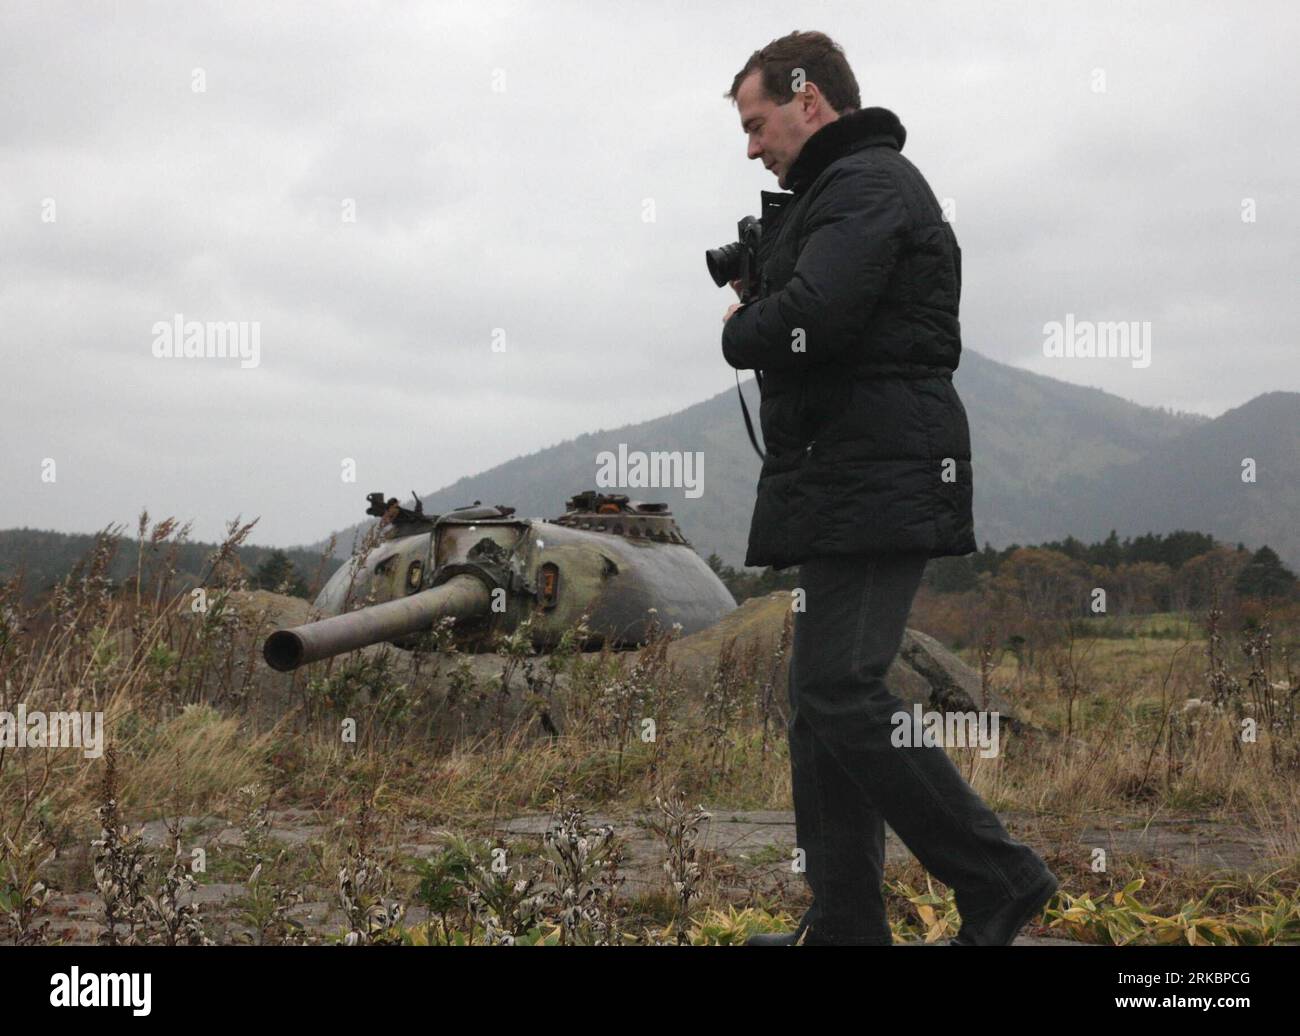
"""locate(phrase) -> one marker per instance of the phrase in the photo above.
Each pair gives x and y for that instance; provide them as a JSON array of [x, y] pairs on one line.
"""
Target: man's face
[[776, 132]]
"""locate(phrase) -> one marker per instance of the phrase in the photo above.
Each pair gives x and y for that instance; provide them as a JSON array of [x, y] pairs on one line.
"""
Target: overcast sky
[[555, 171]]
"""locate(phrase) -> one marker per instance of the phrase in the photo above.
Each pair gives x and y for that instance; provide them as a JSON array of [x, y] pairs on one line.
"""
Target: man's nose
[[754, 149]]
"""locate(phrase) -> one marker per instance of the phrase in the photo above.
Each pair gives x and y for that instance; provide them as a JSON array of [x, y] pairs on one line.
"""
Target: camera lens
[[724, 263]]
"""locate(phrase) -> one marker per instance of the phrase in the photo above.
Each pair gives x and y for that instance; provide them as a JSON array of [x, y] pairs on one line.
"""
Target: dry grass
[[193, 717]]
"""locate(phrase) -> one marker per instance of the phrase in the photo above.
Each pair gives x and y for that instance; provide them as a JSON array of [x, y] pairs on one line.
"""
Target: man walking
[[867, 474]]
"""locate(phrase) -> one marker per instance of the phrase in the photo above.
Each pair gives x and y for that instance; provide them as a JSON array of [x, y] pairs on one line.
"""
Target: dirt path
[[744, 853]]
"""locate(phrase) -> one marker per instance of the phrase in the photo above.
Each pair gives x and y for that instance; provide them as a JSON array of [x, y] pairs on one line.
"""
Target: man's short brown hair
[[822, 60]]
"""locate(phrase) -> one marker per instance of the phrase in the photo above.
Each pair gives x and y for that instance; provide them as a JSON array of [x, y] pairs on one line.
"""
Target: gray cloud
[[522, 209]]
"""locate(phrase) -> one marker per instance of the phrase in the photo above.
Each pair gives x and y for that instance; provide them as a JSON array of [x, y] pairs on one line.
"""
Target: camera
[[738, 260]]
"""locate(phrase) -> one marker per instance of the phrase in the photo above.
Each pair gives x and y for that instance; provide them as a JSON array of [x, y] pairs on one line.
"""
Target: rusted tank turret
[[608, 557]]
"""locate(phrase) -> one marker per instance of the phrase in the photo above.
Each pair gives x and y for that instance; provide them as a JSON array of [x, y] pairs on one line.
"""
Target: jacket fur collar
[[865, 127]]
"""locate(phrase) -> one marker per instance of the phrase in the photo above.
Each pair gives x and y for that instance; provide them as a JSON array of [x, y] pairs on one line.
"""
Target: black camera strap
[[749, 425], [773, 204]]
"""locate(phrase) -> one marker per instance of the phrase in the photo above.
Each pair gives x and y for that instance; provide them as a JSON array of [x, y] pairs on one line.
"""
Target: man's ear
[[810, 99]]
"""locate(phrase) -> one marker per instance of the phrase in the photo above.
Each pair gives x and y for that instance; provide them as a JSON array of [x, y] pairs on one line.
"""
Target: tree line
[[1155, 572]]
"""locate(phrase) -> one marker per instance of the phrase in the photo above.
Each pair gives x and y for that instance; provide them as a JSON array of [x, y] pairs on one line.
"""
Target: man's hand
[[736, 287]]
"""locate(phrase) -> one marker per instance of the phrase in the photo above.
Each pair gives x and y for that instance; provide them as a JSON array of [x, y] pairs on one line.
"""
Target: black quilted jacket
[[856, 337]]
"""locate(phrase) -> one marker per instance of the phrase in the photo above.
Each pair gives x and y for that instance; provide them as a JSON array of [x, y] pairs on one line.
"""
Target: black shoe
[[779, 938], [1001, 927]]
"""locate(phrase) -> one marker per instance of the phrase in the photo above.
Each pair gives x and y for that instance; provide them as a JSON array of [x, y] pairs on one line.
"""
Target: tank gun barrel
[[464, 596]]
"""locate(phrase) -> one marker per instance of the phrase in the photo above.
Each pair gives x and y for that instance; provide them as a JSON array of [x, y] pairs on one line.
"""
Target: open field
[[512, 797]]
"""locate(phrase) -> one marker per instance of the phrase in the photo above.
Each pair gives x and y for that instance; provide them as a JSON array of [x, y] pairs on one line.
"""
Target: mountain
[[1031, 435], [1050, 459], [1194, 481]]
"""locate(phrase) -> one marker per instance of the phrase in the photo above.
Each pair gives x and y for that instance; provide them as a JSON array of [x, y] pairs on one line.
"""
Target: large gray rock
[[927, 672]]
